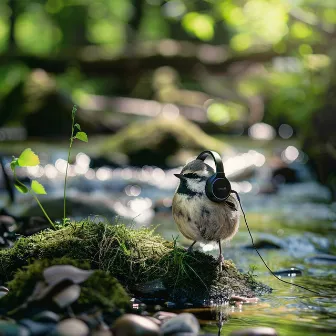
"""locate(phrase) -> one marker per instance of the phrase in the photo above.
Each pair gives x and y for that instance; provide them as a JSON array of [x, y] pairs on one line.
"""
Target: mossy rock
[[134, 257], [78, 206], [100, 290], [152, 142]]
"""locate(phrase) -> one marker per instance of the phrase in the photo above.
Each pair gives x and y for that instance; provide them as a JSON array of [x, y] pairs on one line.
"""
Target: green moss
[[100, 289], [143, 142], [133, 257]]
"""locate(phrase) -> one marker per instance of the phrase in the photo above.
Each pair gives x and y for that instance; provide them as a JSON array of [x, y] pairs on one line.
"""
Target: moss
[[133, 257], [143, 142], [100, 289]]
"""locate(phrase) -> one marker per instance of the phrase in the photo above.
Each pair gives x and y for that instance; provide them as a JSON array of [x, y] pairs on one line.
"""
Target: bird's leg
[[220, 257], [190, 249]]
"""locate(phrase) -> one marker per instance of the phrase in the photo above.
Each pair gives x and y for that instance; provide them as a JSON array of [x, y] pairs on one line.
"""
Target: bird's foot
[[190, 249], [220, 261]]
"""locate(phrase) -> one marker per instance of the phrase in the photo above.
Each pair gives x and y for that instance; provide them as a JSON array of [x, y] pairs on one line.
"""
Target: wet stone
[[72, 327], [164, 316], [325, 259], [257, 331], [292, 272], [183, 324], [134, 325], [37, 328], [170, 304], [46, 316], [10, 329], [3, 291]]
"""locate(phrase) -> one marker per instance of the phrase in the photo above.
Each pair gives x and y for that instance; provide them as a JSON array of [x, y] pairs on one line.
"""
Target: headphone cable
[[235, 192]]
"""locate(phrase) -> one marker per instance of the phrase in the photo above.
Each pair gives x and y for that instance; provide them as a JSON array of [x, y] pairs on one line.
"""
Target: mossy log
[[134, 257], [152, 142]]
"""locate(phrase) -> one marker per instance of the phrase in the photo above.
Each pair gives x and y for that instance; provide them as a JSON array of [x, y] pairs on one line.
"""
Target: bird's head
[[194, 175]]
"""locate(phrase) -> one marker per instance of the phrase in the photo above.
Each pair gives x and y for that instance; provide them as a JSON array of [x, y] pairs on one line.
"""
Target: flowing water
[[294, 227]]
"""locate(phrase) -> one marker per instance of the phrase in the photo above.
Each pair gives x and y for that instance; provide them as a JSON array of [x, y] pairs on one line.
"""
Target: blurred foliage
[[301, 34]]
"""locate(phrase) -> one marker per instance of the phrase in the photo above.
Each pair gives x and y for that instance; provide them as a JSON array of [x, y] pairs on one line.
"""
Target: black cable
[[235, 192]]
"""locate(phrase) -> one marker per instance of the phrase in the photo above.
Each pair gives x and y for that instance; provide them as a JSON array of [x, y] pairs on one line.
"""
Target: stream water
[[294, 227]]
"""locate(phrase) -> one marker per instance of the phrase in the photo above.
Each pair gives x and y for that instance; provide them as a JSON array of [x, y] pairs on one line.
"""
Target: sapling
[[29, 159], [80, 135]]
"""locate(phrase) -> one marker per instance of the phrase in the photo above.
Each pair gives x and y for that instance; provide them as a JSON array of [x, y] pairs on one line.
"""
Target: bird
[[197, 217]]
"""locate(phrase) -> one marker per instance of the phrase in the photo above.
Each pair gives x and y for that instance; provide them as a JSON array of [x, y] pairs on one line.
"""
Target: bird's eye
[[191, 175]]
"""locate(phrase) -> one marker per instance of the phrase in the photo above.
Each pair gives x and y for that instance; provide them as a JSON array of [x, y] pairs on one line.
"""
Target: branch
[[214, 59]]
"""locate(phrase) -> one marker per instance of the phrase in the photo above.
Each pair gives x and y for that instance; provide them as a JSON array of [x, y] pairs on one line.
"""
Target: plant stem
[[45, 213], [67, 166], [37, 200]]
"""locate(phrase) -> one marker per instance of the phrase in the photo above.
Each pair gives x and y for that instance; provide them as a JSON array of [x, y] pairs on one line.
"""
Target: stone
[[256, 331], [10, 329], [72, 327], [3, 291], [55, 274], [184, 323], [164, 316], [67, 296], [37, 328], [46, 316], [135, 325]]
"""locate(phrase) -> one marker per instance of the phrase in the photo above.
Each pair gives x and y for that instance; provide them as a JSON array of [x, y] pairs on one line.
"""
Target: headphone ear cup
[[217, 188]]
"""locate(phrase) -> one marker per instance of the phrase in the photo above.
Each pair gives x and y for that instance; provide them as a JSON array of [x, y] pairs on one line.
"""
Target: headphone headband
[[217, 159]]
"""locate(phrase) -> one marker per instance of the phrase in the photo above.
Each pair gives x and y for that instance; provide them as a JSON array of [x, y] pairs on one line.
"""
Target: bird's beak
[[179, 176]]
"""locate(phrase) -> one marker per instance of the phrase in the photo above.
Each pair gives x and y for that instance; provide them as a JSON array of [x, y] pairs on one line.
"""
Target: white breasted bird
[[197, 217]]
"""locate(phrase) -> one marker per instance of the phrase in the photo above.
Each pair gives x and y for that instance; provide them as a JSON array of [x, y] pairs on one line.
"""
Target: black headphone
[[218, 187]]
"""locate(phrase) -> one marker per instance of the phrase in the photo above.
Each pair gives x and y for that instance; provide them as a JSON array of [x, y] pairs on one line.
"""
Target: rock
[[46, 316], [37, 328], [3, 291], [257, 331], [164, 316], [10, 329], [134, 325], [169, 304], [55, 274], [72, 327], [184, 323], [289, 273], [325, 259], [67, 296]]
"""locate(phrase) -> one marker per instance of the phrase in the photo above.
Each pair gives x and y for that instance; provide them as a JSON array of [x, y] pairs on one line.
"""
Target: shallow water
[[298, 223]]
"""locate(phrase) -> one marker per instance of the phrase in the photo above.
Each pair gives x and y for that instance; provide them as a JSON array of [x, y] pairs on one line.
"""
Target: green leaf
[[28, 158], [78, 126], [74, 109], [21, 187], [14, 163], [82, 136], [38, 188]]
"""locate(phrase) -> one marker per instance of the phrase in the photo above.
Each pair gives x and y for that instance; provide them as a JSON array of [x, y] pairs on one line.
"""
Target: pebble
[[67, 296], [184, 323], [11, 329], [57, 273], [293, 272], [164, 316], [46, 316], [3, 291], [169, 304], [135, 325], [72, 327], [37, 328], [257, 331]]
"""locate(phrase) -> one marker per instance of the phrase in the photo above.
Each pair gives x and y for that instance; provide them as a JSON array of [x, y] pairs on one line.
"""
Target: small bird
[[197, 217]]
